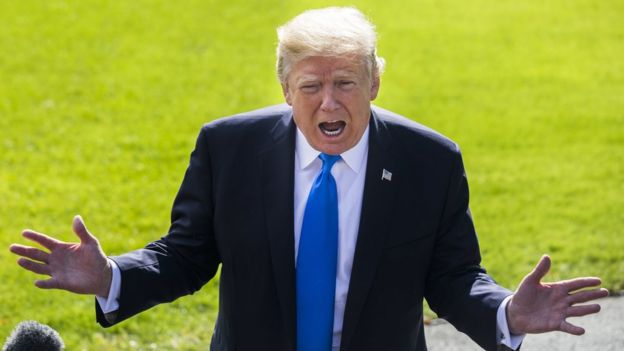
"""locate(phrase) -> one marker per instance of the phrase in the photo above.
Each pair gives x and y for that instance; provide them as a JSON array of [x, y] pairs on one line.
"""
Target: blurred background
[[101, 102]]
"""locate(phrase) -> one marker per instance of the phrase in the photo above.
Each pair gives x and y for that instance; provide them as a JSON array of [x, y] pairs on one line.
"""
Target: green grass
[[101, 101]]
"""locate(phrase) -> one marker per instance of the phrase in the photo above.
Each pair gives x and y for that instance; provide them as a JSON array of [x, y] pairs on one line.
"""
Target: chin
[[332, 149]]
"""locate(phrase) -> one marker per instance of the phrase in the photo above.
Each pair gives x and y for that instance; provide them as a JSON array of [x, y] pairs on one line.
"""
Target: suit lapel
[[378, 198], [277, 197]]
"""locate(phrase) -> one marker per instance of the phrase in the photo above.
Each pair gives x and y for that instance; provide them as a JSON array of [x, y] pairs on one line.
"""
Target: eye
[[309, 88], [346, 84]]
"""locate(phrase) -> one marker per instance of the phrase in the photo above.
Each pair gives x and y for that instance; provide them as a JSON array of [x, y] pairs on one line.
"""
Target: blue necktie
[[316, 263]]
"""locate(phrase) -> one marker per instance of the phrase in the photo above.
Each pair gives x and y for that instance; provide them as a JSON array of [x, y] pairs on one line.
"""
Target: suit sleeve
[[458, 288], [185, 259]]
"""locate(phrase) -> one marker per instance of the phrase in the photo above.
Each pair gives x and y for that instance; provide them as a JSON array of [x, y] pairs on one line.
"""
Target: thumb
[[81, 230], [540, 270]]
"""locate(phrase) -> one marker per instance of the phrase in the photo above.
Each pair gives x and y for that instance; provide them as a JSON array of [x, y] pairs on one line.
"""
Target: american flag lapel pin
[[386, 175]]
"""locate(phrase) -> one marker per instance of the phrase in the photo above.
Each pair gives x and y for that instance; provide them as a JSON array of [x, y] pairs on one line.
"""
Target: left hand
[[538, 307]]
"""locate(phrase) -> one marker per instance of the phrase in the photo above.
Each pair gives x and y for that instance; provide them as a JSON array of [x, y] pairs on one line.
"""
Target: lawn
[[101, 102]]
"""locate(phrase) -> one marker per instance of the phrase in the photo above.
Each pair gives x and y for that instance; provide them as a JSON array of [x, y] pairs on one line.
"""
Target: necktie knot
[[328, 161]]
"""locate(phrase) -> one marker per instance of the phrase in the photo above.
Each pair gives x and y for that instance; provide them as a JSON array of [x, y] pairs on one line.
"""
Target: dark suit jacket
[[235, 208]]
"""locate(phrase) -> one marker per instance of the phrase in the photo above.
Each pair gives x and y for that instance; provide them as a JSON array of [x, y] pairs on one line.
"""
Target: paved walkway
[[603, 331]]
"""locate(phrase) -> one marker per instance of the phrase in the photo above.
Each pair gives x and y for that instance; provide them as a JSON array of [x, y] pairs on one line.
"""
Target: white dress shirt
[[349, 173]]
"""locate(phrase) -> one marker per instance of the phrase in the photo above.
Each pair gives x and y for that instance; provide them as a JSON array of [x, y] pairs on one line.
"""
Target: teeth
[[332, 132]]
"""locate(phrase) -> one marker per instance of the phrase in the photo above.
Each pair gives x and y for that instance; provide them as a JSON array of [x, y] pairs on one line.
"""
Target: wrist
[[106, 281], [512, 320]]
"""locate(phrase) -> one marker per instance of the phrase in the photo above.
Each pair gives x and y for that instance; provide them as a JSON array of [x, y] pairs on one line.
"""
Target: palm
[[542, 307], [77, 267]]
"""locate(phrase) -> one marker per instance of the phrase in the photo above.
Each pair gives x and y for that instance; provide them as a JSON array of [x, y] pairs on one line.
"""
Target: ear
[[375, 87], [286, 93]]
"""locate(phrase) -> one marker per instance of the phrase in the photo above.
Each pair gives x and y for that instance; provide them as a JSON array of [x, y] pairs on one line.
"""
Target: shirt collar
[[354, 157]]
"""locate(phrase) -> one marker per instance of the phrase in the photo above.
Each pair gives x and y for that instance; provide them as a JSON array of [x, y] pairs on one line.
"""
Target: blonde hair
[[333, 32]]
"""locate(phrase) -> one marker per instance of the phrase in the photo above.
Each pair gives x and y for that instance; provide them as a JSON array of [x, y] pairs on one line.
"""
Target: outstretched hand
[[77, 267], [538, 307]]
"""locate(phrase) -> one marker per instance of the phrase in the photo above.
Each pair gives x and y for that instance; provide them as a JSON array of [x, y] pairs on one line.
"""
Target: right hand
[[80, 268]]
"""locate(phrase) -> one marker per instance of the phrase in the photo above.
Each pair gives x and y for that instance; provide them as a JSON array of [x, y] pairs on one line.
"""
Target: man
[[331, 221]]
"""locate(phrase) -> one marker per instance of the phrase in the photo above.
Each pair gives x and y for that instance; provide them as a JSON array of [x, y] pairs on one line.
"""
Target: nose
[[329, 103]]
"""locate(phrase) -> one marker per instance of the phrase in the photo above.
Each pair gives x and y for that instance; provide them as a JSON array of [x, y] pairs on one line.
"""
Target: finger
[[571, 329], [47, 284], [580, 283], [41, 239], [582, 310], [36, 267], [30, 252], [540, 270], [81, 231], [587, 295]]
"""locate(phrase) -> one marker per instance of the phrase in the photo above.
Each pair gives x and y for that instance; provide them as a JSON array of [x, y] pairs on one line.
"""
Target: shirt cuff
[[503, 336], [111, 303]]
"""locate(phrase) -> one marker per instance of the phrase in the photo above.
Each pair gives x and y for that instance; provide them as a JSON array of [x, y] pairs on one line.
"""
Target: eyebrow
[[306, 77], [337, 74]]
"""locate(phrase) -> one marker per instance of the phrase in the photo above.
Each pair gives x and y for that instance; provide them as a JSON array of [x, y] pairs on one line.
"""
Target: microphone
[[31, 335]]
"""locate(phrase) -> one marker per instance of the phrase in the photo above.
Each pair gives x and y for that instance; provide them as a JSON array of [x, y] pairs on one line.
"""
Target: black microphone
[[31, 335]]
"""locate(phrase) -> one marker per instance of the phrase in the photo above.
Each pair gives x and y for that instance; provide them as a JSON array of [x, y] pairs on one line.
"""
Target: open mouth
[[332, 128]]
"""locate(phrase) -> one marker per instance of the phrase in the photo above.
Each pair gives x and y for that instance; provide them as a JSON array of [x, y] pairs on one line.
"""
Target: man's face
[[331, 97]]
